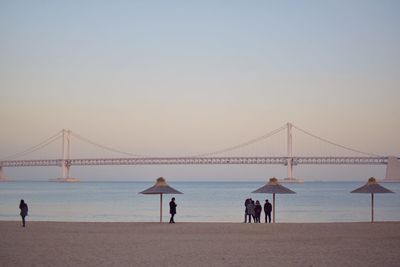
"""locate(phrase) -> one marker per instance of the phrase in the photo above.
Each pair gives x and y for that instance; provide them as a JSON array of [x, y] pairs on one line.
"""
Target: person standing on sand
[[267, 211], [257, 210], [250, 209], [245, 209], [172, 210], [24, 211]]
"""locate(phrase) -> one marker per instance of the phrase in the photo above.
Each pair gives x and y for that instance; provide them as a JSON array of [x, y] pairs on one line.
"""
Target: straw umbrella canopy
[[372, 187], [161, 187], [273, 187]]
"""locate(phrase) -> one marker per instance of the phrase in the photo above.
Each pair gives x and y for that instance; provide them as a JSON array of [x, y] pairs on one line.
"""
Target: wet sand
[[199, 244]]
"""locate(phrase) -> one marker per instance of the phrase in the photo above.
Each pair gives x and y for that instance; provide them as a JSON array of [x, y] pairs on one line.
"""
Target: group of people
[[253, 210]]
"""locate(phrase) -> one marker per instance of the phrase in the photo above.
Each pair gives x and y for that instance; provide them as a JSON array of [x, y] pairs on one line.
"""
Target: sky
[[172, 78]]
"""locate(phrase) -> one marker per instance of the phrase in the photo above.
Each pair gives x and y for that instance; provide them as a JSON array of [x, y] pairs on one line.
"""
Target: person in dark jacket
[[172, 210], [245, 209], [257, 210], [24, 211], [267, 211]]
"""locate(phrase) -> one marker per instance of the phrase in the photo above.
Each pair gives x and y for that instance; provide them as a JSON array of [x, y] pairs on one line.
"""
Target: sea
[[200, 202]]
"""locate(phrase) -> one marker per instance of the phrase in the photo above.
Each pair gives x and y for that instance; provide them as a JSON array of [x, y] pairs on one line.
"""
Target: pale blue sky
[[189, 77]]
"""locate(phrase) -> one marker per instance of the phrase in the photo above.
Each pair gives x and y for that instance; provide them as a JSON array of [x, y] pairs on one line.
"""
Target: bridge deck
[[197, 161]]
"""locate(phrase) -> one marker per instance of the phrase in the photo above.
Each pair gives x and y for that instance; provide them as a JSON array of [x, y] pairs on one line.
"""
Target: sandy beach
[[199, 244]]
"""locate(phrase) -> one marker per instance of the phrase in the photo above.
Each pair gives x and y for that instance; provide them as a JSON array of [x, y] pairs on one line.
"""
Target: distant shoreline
[[181, 181]]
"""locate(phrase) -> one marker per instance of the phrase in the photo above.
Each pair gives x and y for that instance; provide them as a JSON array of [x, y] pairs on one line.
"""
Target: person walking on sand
[[250, 209], [257, 210], [267, 211], [24, 211], [172, 210]]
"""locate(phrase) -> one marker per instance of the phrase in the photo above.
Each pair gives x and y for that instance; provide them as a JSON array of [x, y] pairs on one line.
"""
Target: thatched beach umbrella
[[273, 187], [161, 187], [372, 187]]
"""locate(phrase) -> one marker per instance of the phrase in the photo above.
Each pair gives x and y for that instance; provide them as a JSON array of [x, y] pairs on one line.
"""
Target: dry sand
[[199, 244]]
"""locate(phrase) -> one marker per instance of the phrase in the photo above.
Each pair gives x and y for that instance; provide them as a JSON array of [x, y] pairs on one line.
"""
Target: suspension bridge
[[212, 158]]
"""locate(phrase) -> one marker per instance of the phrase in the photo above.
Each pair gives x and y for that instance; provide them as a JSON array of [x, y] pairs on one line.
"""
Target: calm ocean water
[[201, 202]]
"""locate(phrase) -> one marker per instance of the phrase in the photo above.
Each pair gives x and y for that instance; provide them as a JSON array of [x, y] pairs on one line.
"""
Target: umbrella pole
[[161, 208], [372, 207], [273, 207]]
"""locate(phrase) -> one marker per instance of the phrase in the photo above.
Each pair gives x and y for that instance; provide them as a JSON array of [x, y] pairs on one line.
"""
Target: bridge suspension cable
[[56, 136], [335, 144], [32, 149], [250, 142], [104, 147]]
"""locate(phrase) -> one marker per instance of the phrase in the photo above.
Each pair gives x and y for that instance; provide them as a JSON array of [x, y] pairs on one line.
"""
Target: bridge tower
[[289, 157], [392, 170], [289, 151], [66, 153], [65, 158]]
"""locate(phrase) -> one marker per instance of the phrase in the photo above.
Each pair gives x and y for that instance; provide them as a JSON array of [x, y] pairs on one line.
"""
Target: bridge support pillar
[[2, 175], [290, 168], [392, 170]]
